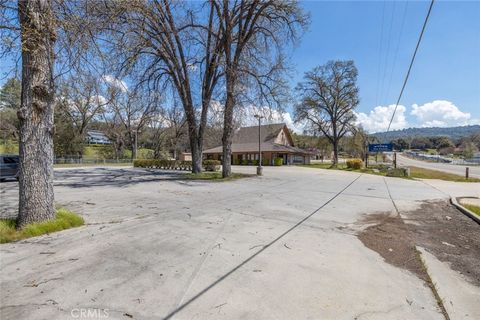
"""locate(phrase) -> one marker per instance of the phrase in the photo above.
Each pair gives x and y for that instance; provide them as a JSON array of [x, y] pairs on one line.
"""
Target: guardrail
[[440, 159]]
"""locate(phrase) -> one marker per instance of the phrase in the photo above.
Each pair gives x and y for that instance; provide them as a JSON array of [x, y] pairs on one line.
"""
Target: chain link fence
[[89, 160]]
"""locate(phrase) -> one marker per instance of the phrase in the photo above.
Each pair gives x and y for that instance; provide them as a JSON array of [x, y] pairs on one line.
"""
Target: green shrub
[[211, 162], [145, 154], [355, 164], [265, 162], [162, 164], [211, 165], [255, 162], [236, 162], [278, 162], [244, 162]]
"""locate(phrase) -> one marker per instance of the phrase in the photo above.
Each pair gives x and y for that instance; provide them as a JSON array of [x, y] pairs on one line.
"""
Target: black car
[[8, 166]]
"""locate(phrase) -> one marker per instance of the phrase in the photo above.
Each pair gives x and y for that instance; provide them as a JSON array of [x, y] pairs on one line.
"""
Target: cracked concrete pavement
[[157, 246]]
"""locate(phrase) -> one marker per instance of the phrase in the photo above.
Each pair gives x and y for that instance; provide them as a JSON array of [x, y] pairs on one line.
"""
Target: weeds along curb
[[431, 284], [464, 210]]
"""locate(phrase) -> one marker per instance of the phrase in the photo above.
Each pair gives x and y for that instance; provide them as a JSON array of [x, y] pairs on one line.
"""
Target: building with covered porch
[[275, 141]]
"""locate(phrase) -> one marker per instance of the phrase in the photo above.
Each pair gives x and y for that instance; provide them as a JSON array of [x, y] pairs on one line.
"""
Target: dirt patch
[[449, 235], [392, 239], [436, 226]]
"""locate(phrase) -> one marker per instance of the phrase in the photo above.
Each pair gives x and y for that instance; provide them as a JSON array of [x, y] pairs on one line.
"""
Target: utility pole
[[135, 147], [259, 167]]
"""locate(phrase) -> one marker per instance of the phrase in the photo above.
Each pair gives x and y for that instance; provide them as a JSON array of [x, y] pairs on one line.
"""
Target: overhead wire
[[387, 54], [402, 25], [411, 63], [380, 55]]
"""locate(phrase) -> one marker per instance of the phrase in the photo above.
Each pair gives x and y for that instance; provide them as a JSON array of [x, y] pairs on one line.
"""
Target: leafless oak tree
[[80, 94], [328, 96], [131, 110], [169, 131], [252, 35], [171, 44]]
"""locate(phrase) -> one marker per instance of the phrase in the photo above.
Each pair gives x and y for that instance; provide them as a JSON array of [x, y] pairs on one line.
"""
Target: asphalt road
[[281, 246], [445, 167]]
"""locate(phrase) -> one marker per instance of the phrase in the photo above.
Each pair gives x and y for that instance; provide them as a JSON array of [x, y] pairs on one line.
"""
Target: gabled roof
[[246, 140], [268, 132], [96, 134]]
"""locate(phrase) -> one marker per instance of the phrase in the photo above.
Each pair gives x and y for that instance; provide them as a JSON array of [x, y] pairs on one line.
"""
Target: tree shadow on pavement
[[100, 177]]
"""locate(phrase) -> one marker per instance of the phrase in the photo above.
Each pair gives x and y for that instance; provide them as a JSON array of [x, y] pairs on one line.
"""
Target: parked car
[[8, 166]]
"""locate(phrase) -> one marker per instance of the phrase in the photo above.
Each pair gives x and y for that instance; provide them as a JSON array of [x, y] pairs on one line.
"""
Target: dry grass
[[215, 176], [474, 209], [421, 173]]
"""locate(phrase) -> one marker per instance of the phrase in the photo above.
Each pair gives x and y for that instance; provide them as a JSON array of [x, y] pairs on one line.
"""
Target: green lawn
[[215, 176], [474, 209], [415, 172], [421, 173], [343, 167], [65, 219]]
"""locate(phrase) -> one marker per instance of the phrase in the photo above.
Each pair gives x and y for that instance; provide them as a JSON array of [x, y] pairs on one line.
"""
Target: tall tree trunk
[[228, 131], [134, 153], [335, 153], [196, 158], [36, 199], [195, 148]]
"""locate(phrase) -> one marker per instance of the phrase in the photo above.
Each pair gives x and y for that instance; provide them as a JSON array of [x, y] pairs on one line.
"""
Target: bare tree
[[10, 98], [36, 111], [82, 101], [252, 34], [171, 44], [133, 110], [169, 131], [328, 96]]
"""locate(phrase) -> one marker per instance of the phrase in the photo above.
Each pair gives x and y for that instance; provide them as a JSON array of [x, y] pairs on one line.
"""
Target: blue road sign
[[380, 147]]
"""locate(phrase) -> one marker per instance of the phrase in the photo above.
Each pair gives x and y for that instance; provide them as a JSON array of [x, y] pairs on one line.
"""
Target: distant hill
[[452, 132]]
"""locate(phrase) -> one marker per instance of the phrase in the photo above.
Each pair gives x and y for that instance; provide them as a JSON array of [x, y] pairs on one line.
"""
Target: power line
[[380, 55], [411, 63], [387, 93], [387, 54]]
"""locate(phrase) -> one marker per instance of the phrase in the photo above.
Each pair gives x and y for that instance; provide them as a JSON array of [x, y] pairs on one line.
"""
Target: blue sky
[[444, 84], [380, 36]]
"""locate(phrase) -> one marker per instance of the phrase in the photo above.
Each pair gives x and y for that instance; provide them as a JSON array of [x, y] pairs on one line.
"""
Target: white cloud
[[440, 113], [246, 116], [378, 119], [117, 83]]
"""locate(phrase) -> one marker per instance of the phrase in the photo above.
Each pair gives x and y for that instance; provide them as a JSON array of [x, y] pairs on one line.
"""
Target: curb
[[444, 307], [456, 296], [467, 212]]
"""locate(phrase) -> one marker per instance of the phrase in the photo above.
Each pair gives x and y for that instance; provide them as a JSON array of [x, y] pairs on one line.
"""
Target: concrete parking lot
[[281, 246]]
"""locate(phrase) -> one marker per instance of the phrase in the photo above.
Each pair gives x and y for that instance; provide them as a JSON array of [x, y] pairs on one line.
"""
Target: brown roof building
[[275, 141]]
